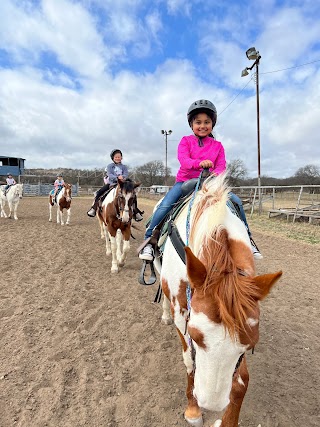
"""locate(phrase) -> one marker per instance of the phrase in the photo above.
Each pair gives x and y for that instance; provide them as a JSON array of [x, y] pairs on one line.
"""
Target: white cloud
[[74, 110]]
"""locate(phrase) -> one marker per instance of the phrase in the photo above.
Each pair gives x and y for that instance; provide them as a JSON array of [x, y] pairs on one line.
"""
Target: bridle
[[119, 206]]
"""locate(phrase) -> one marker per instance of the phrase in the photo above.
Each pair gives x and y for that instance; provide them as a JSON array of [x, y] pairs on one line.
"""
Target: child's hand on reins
[[206, 164]]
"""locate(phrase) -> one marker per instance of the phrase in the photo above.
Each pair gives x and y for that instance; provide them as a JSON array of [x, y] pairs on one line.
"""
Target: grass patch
[[304, 232]]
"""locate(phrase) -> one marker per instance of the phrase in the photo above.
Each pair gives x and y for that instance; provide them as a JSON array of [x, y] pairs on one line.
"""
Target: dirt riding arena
[[82, 347]]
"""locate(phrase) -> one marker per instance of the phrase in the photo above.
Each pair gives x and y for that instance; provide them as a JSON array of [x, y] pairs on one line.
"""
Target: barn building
[[13, 165]]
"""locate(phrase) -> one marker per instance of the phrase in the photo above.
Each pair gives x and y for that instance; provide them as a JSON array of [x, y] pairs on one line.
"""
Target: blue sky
[[81, 77]]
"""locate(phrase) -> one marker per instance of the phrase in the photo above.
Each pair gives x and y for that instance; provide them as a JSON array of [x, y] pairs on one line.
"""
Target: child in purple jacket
[[115, 170], [195, 152]]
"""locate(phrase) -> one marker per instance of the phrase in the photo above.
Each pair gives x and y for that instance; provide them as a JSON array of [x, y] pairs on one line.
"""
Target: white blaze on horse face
[[125, 214], [215, 363]]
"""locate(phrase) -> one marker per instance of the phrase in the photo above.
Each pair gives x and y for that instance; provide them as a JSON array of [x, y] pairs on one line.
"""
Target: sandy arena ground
[[82, 347]]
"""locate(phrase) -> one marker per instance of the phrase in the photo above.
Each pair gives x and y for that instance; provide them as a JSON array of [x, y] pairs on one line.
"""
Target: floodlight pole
[[253, 54], [166, 133], [258, 134]]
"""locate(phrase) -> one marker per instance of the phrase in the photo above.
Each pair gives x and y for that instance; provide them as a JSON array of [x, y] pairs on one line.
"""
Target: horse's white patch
[[240, 381], [215, 364], [252, 322]]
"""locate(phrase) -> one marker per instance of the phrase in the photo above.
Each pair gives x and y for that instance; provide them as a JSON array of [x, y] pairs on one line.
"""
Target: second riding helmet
[[114, 152], [202, 106]]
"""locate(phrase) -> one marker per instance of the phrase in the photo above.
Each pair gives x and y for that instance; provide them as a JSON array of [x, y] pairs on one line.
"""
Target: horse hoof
[[217, 423], [195, 422], [114, 271], [166, 321]]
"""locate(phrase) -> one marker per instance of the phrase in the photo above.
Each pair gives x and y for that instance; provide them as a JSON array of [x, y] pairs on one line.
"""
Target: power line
[[236, 96], [290, 68], [267, 72]]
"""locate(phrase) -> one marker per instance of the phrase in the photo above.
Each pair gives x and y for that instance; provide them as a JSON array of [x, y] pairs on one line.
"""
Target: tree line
[[154, 173]]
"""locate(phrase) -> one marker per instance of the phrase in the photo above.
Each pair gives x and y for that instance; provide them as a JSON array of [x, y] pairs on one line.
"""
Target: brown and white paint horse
[[115, 217], [63, 202], [220, 322], [12, 196]]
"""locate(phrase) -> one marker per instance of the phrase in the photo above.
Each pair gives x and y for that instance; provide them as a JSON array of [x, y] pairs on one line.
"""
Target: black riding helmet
[[202, 106], [114, 152]]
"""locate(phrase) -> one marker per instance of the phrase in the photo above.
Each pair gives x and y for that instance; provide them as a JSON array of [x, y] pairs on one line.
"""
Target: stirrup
[[152, 279]]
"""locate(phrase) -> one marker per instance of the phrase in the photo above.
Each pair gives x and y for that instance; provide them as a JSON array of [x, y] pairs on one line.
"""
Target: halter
[[117, 206]]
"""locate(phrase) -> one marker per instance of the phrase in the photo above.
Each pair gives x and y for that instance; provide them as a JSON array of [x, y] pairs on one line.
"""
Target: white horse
[[12, 196], [63, 201]]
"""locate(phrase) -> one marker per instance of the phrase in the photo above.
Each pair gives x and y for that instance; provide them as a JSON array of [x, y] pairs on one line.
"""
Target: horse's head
[[125, 196], [19, 190], [67, 191]]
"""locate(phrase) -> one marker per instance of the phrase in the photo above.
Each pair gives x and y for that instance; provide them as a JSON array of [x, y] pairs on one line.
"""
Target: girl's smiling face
[[202, 125], [117, 158]]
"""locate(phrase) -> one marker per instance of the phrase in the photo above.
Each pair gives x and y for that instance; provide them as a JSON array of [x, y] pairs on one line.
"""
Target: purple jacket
[[190, 155]]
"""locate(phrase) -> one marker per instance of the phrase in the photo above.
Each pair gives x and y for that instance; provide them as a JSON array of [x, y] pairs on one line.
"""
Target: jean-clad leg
[[235, 199], [168, 201]]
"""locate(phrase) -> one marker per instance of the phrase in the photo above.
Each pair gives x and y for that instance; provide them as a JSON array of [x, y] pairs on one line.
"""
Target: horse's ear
[[137, 184], [265, 282], [196, 271]]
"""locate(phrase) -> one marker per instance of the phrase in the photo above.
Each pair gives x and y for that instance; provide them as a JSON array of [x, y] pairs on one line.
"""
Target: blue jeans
[[165, 206], [235, 199], [173, 196]]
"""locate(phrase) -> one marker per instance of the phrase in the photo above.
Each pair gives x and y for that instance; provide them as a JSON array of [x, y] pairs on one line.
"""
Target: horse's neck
[[59, 196], [111, 197]]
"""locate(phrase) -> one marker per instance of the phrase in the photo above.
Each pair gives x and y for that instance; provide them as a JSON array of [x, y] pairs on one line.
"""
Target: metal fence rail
[[43, 189]]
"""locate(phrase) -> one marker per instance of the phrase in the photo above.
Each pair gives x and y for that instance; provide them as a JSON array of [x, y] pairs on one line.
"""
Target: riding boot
[[93, 210], [137, 213]]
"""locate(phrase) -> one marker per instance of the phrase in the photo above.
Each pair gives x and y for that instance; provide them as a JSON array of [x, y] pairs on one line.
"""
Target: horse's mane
[[234, 292]]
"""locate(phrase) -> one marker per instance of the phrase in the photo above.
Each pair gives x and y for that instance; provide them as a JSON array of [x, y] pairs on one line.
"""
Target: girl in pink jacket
[[195, 152]]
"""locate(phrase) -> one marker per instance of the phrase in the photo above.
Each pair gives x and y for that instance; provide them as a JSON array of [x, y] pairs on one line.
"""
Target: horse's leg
[[107, 238], [2, 205], [59, 216], [102, 231], [50, 212], [166, 318], [15, 207], [119, 248], [113, 243], [125, 239], [68, 216], [239, 388], [10, 209]]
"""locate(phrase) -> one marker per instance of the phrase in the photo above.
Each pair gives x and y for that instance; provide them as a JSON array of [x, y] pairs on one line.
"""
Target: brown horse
[[62, 201], [115, 217], [214, 301]]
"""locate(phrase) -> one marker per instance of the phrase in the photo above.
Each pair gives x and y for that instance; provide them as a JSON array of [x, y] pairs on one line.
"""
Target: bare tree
[[309, 174], [151, 173], [237, 172]]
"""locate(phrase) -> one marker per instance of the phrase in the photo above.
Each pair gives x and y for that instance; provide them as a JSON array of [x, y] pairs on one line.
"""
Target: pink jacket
[[190, 155]]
